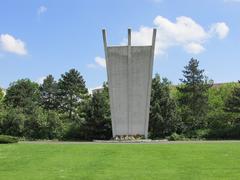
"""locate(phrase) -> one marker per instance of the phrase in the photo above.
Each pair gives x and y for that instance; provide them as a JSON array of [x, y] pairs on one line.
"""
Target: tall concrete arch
[[129, 72]]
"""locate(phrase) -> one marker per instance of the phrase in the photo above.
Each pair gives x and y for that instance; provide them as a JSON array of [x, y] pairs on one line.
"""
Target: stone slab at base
[[130, 141]]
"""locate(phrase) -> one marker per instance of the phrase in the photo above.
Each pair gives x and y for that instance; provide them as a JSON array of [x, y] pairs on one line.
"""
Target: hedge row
[[4, 139]]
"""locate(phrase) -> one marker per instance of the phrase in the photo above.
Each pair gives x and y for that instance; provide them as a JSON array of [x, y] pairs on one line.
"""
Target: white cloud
[[221, 29], [40, 80], [41, 10], [184, 32], [10, 44], [194, 48], [99, 62]]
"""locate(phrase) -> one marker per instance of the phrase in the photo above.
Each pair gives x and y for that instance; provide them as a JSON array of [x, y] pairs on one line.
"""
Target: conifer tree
[[163, 114], [97, 124], [72, 91], [193, 99], [48, 93]]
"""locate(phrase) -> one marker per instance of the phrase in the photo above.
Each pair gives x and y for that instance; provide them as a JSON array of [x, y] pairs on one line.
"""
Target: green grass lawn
[[120, 161]]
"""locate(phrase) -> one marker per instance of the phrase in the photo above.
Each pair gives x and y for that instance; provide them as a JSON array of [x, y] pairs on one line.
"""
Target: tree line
[[63, 109]]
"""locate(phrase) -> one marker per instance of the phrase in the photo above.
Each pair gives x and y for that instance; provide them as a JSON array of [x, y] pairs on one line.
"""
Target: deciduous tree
[[22, 94]]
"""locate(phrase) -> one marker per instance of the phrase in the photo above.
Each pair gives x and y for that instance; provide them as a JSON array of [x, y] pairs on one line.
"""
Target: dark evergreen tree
[[72, 91], [193, 96], [97, 124], [163, 120], [48, 94]]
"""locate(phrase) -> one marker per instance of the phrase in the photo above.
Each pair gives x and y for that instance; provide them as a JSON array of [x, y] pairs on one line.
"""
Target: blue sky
[[38, 38]]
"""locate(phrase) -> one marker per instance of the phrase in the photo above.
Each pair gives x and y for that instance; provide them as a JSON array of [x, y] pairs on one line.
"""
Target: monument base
[[124, 141], [128, 137]]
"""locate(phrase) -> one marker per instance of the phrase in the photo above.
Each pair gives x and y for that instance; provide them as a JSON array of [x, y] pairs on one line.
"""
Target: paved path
[[111, 142]]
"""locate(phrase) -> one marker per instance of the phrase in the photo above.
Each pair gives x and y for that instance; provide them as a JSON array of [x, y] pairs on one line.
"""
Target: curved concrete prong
[[154, 37], [150, 83], [129, 37], [104, 38]]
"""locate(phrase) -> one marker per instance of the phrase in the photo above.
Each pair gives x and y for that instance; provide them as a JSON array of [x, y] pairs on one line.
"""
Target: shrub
[[177, 137], [225, 133], [12, 122], [55, 126], [4, 139], [35, 125], [198, 134]]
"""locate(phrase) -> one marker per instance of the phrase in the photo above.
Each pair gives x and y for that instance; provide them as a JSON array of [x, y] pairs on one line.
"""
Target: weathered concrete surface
[[118, 74], [129, 70], [139, 77]]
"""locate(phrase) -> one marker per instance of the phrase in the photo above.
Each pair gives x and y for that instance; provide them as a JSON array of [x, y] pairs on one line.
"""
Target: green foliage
[[177, 137], [193, 97], [12, 122], [54, 127], [97, 124], [218, 118], [35, 124], [22, 94], [4, 139], [64, 110], [1, 95], [48, 93], [163, 118], [198, 134], [233, 101], [2, 113], [41, 124], [226, 131], [226, 124], [71, 93]]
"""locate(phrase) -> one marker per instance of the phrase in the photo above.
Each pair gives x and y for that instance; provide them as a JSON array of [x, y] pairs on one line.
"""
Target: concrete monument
[[129, 72]]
